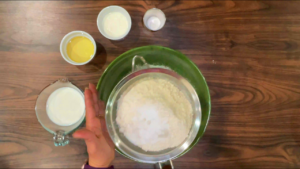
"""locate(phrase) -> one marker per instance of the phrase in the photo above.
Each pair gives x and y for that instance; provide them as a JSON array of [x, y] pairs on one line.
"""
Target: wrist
[[87, 166], [98, 163]]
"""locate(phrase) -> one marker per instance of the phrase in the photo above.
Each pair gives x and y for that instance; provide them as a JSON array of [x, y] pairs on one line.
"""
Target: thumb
[[85, 134], [90, 140]]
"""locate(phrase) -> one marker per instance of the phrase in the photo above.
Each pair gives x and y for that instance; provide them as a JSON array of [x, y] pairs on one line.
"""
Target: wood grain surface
[[248, 51]]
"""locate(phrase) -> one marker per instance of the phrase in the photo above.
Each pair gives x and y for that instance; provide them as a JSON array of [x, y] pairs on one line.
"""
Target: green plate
[[157, 55]]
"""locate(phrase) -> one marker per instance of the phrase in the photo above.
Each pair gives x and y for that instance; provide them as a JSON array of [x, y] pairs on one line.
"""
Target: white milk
[[65, 106], [115, 24]]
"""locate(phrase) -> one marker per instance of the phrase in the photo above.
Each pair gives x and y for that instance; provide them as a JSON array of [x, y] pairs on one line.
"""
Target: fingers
[[94, 91], [103, 124], [85, 134], [98, 104], [89, 106], [101, 106], [95, 96]]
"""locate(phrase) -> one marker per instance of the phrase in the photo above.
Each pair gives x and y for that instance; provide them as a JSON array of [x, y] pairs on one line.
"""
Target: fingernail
[[86, 88]]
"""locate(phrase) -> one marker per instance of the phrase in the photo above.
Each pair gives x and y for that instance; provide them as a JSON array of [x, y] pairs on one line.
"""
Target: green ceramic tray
[[157, 55]]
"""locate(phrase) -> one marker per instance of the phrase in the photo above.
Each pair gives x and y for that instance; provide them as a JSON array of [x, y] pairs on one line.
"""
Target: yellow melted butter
[[80, 49]]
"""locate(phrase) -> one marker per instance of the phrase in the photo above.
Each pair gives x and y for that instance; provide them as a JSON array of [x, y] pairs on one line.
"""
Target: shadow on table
[[3, 164], [97, 63]]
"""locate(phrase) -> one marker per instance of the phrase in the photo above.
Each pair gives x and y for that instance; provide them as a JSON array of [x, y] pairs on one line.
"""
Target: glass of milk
[[60, 109]]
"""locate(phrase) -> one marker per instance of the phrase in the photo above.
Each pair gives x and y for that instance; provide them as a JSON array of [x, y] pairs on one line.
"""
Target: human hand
[[99, 145]]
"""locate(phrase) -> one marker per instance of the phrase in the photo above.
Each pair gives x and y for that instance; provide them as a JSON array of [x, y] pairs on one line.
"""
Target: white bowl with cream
[[114, 22]]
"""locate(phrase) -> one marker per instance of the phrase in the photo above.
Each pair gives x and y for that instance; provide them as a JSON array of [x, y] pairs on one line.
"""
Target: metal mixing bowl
[[121, 142]]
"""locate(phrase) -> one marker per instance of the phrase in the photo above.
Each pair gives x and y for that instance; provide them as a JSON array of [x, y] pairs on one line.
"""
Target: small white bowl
[[66, 39], [106, 11], [157, 13]]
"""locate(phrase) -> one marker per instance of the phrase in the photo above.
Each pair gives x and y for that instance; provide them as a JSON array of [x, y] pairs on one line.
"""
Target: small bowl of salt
[[154, 19], [114, 22]]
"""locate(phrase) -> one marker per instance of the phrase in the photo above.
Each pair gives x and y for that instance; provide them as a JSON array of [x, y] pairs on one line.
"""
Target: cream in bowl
[[78, 48], [114, 22], [65, 106]]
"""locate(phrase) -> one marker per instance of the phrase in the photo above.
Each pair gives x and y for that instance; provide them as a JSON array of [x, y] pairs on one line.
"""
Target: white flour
[[154, 114]]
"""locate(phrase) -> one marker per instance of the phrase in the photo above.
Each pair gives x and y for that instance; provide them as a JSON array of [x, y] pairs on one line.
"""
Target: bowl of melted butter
[[78, 48]]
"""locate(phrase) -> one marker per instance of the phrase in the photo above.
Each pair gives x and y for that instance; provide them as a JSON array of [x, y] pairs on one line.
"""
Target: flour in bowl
[[154, 114]]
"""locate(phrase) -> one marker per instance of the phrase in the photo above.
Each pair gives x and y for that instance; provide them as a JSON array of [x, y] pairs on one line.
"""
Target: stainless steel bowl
[[121, 142]]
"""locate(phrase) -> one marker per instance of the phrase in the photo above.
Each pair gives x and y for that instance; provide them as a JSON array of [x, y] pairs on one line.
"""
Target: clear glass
[[122, 143], [60, 132]]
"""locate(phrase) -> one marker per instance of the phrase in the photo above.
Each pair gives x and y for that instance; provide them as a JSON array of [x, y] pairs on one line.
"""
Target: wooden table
[[248, 52]]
